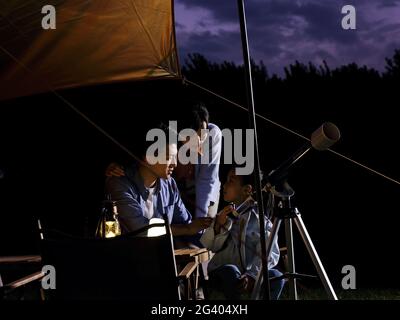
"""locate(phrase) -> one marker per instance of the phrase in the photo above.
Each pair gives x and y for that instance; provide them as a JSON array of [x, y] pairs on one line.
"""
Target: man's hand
[[198, 225], [246, 283], [192, 228], [115, 170], [221, 218]]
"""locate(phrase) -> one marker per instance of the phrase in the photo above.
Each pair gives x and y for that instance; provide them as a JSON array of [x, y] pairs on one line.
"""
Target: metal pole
[[291, 267], [315, 258], [253, 125]]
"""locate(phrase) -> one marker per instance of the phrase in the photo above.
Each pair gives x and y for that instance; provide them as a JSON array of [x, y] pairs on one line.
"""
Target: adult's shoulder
[[123, 181], [213, 126], [117, 182], [214, 131]]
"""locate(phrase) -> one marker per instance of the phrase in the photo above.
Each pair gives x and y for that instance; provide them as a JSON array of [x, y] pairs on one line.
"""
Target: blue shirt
[[130, 194]]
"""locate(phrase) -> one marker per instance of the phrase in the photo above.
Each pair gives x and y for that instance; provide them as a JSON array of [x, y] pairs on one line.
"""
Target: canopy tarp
[[95, 41]]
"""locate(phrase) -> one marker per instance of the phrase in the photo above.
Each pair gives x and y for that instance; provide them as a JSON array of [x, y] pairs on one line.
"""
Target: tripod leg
[[291, 265], [255, 295], [315, 258]]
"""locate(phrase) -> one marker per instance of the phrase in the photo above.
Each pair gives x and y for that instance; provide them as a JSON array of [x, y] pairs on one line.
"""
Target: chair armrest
[[20, 259], [25, 280], [198, 255], [189, 251], [188, 270], [204, 256]]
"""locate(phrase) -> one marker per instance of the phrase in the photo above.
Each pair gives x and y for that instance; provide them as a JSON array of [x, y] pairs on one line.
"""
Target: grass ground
[[357, 294]]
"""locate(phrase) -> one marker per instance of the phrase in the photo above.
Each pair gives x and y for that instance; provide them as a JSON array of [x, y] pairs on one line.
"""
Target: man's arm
[[181, 214], [182, 223], [130, 212], [190, 228]]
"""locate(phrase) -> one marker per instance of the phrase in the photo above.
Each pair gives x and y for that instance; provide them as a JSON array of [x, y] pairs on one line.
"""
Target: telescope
[[276, 184], [321, 139]]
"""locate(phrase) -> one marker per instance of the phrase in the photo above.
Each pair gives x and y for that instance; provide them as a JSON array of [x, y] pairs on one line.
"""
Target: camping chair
[[9, 289], [194, 257], [131, 266]]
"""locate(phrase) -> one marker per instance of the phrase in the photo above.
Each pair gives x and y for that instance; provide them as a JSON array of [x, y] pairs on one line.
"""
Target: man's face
[[198, 140], [199, 133], [164, 170]]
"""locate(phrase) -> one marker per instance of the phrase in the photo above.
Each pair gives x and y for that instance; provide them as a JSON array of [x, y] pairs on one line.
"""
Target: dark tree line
[[196, 66], [360, 99]]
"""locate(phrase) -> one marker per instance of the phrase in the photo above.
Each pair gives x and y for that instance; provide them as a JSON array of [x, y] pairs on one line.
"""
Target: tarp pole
[[253, 125]]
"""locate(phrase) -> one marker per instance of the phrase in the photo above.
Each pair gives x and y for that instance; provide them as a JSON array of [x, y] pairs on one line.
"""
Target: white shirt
[[207, 171]]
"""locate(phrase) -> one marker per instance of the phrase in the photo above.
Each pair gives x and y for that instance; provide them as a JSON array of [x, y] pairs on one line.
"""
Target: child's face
[[233, 189]]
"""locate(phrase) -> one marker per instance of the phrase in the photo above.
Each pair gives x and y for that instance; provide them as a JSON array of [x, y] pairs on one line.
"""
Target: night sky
[[282, 31]]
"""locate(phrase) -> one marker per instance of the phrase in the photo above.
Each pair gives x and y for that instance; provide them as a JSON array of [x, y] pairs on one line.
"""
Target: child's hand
[[221, 218]]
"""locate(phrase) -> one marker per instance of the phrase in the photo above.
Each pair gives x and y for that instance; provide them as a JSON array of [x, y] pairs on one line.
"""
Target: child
[[236, 243]]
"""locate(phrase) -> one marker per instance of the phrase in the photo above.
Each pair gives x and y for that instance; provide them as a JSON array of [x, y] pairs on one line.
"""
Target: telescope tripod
[[286, 213]]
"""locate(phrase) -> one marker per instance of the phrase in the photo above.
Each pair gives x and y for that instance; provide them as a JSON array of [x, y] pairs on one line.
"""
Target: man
[[147, 191]]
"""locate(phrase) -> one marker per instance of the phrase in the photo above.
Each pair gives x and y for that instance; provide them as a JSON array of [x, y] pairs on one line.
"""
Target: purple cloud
[[286, 30]]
